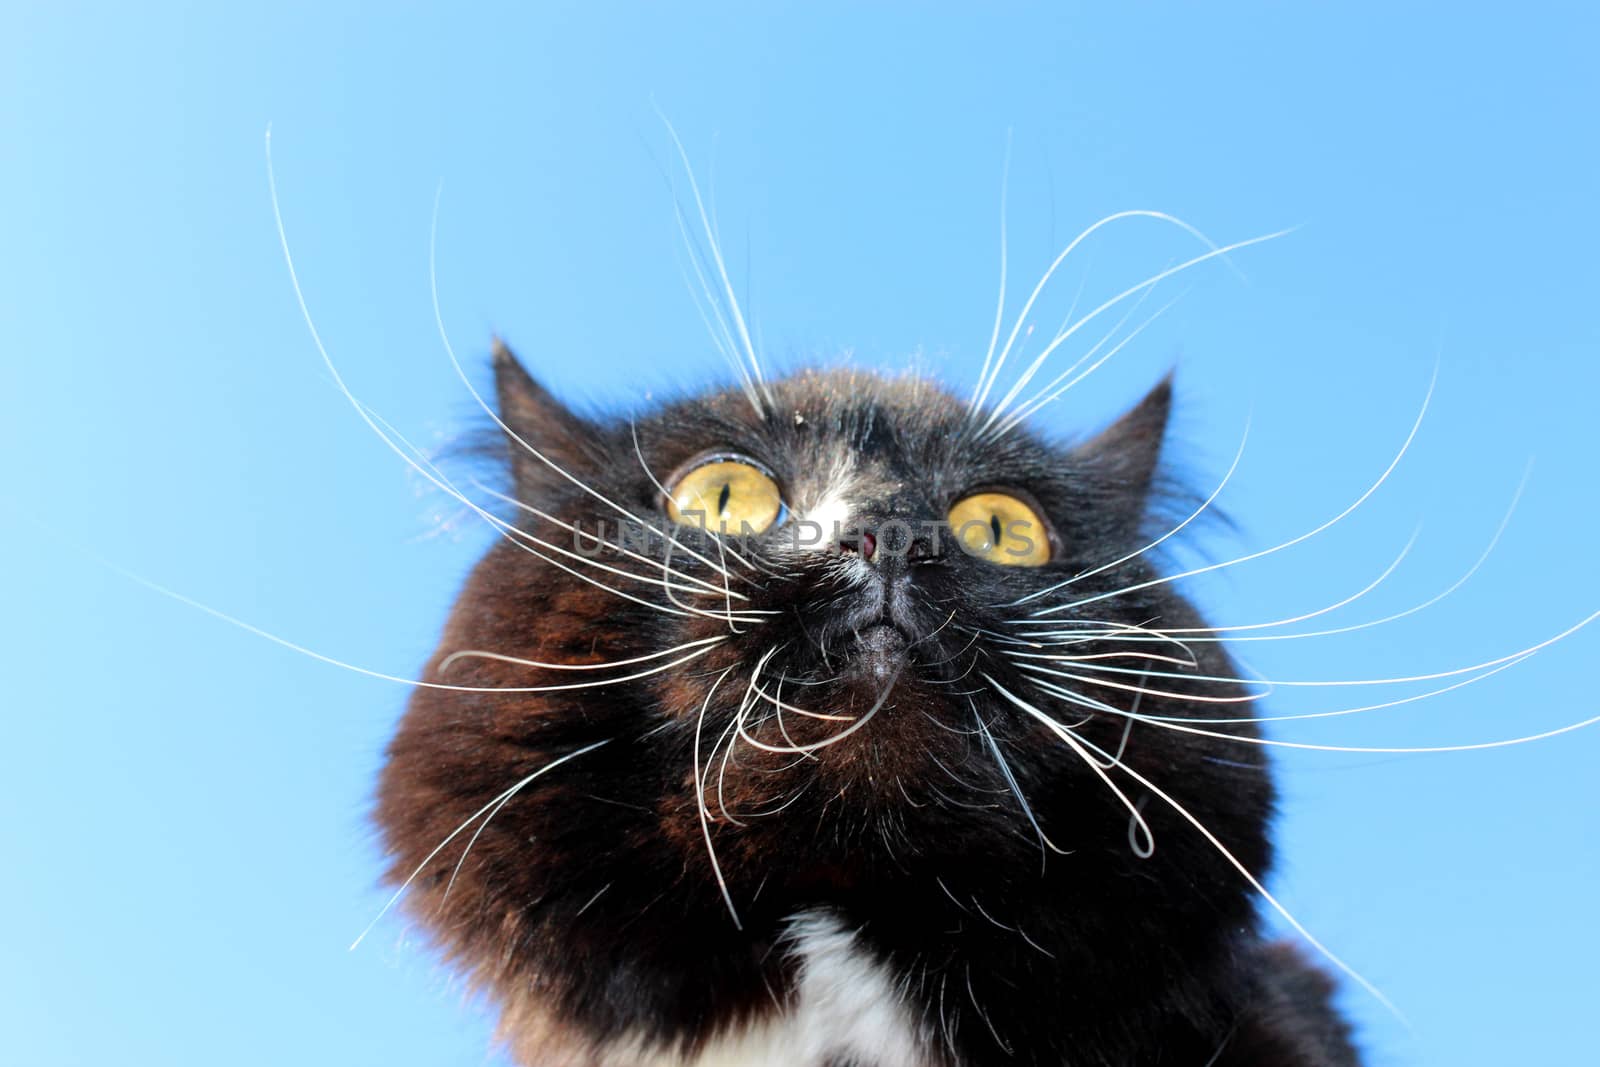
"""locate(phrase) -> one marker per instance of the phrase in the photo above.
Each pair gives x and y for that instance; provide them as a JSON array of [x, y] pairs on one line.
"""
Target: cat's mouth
[[881, 652]]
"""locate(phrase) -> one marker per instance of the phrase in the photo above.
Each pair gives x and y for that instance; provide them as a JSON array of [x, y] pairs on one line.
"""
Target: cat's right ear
[[538, 425]]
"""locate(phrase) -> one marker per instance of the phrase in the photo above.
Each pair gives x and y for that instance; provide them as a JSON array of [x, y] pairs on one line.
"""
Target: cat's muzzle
[[881, 651]]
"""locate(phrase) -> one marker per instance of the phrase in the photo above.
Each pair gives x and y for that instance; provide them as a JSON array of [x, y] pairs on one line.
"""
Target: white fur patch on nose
[[823, 522], [818, 525]]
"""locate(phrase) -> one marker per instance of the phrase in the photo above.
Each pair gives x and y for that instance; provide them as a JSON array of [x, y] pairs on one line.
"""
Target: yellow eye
[[726, 495], [1001, 529]]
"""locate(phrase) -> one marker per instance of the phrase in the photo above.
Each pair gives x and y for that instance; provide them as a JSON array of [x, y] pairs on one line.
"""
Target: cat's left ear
[[535, 420], [1125, 456]]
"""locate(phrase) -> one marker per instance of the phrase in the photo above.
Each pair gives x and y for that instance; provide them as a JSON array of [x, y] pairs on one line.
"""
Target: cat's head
[[829, 635]]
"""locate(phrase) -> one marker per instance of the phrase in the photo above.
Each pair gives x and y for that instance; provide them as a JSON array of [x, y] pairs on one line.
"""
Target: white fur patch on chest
[[846, 1007]]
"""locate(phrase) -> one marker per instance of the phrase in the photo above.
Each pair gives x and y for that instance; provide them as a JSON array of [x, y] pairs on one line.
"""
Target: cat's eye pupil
[[994, 525], [722, 498]]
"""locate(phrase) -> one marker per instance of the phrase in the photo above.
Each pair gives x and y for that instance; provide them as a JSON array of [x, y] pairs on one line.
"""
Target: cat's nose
[[861, 543], [891, 541]]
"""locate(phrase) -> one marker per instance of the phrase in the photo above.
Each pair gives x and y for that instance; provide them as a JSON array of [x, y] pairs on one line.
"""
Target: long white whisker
[[707, 588], [1373, 488], [1352, 598], [1154, 279], [1170, 723], [1238, 455], [489, 410], [721, 333], [783, 706], [361, 408], [1143, 634], [1067, 324], [1050, 271], [834, 739], [700, 803], [525, 540], [1127, 732], [322, 350], [716, 253], [473, 653], [1015, 787], [1066, 735], [493, 805], [1413, 698], [1334, 682], [282, 642], [598, 542], [638, 452], [1034, 668], [1234, 631], [1255, 883], [1051, 392], [732, 738], [1414, 609], [478, 654]]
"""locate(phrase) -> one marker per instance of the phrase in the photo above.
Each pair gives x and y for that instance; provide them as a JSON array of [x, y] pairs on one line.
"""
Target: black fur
[[588, 904]]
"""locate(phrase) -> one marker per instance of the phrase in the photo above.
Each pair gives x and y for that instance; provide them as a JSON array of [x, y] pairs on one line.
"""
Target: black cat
[[818, 723]]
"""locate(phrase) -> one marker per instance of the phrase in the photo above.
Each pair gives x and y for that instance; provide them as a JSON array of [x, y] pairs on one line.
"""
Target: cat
[[840, 721]]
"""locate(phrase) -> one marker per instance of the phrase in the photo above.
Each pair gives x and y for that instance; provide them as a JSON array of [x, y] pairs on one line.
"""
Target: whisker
[[700, 803], [363, 412], [1154, 279], [706, 588], [1238, 455], [779, 704], [1065, 324], [526, 541], [1149, 847], [488, 408], [1082, 745], [778, 715], [518, 537], [1015, 787], [1040, 400], [638, 451], [446, 663], [476, 654], [835, 738], [1109, 630], [1027, 307], [716, 253], [1411, 699], [670, 587], [732, 738], [1246, 698], [282, 642], [721, 333], [1170, 724], [1414, 609], [1127, 732], [493, 805], [1255, 884], [1321, 683], [322, 350], [1395, 462]]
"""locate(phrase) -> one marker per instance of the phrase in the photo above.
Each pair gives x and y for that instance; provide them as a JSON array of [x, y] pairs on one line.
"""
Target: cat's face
[[860, 688]]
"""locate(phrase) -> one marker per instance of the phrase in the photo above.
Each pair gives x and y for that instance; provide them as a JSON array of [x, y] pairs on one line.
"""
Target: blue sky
[[183, 805]]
